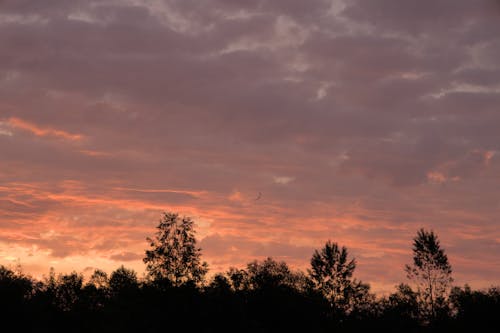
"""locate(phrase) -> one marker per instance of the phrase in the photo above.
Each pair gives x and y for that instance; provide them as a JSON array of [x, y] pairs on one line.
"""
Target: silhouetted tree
[[15, 287], [269, 273], [476, 306], [273, 296], [400, 310], [123, 280], [68, 290], [331, 273], [359, 298], [404, 302], [174, 256], [265, 296], [96, 291], [16, 291], [220, 282], [431, 272], [238, 279], [99, 279]]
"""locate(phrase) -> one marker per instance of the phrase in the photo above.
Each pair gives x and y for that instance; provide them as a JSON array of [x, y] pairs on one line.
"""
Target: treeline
[[265, 296]]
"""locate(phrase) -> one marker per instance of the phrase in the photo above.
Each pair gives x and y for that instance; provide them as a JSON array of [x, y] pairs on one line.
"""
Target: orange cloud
[[94, 153], [192, 193], [42, 131]]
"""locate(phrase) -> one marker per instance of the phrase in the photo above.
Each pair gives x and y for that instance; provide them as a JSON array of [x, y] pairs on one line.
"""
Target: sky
[[276, 125]]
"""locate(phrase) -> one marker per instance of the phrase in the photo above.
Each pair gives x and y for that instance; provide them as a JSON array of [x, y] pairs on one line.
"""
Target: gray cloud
[[384, 114]]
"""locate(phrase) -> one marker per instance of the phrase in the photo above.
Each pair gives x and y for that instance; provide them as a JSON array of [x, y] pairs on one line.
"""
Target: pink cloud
[[20, 124], [358, 123]]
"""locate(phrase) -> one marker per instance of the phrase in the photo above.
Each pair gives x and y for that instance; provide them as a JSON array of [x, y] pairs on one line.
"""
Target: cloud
[[378, 117], [126, 256], [283, 180], [17, 123]]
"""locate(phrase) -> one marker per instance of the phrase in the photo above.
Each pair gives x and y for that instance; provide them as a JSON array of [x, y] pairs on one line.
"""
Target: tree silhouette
[[99, 279], [269, 274], [431, 272], [220, 282], [68, 290], [265, 296], [404, 302], [174, 257], [476, 306], [14, 287], [96, 290], [123, 280], [238, 279], [331, 273]]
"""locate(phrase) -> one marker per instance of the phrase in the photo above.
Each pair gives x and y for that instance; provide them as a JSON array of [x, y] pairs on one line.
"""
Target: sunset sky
[[276, 125]]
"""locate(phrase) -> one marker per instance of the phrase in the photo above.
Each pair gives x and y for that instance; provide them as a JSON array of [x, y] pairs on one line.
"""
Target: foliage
[[400, 310], [404, 302], [265, 296], [238, 279], [271, 300], [14, 286], [220, 282], [269, 274], [173, 256], [68, 289], [431, 272], [473, 306], [331, 272], [99, 279], [123, 280], [96, 291]]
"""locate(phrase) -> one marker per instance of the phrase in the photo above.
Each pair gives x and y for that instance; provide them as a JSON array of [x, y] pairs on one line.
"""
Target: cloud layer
[[276, 124]]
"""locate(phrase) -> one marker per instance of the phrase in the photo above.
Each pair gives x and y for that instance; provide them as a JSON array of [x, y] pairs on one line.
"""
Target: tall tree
[[431, 273], [331, 272], [174, 256]]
